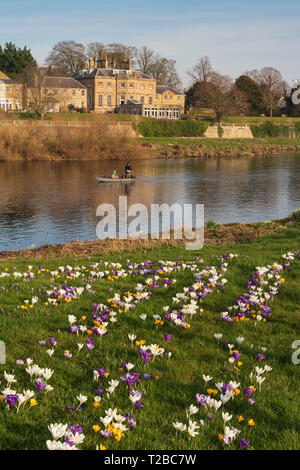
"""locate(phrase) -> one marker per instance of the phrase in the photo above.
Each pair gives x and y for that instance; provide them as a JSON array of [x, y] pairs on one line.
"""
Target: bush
[[269, 129], [297, 129], [168, 128]]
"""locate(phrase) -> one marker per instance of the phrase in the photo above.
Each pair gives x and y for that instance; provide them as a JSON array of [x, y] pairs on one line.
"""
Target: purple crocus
[[146, 355], [11, 400], [90, 344], [201, 399], [74, 429], [39, 384], [138, 404], [53, 341], [167, 337], [243, 443]]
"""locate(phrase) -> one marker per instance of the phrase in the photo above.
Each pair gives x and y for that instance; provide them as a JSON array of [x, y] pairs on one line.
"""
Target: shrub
[[297, 129], [269, 129], [168, 128]]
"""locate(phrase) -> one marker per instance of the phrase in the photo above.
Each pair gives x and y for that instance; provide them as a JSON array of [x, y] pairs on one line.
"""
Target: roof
[[163, 88], [111, 73], [62, 82], [4, 78]]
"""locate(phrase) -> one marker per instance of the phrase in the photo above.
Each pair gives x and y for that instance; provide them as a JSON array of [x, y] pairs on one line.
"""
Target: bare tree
[[39, 98], [202, 71], [272, 85], [94, 48], [164, 72], [121, 52], [145, 59], [67, 56]]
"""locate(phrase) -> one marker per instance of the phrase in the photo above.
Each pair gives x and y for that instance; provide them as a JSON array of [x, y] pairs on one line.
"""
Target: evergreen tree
[[13, 59], [253, 92]]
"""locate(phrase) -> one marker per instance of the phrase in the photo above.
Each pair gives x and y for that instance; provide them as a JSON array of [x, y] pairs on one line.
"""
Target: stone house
[[125, 90], [66, 91], [10, 94]]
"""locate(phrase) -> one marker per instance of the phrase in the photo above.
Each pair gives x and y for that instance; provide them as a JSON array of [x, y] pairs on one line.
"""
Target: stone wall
[[232, 131]]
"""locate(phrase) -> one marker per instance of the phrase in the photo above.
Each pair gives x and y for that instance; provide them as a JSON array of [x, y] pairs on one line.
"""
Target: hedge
[[168, 128], [269, 129]]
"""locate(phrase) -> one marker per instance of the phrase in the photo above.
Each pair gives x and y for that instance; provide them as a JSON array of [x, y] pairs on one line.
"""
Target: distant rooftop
[[162, 88], [104, 72], [62, 82]]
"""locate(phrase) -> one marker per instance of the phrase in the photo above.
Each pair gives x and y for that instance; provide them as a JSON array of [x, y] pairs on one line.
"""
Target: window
[[132, 97], [156, 97], [82, 92], [169, 113], [142, 86], [142, 99], [122, 99], [122, 84], [165, 97], [109, 101], [73, 92], [154, 112], [162, 112], [100, 84], [131, 85], [171, 98], [150, 87], [100, 101], [147, 112], [176, 114], [109, 84], [179, 98], [150, 99]]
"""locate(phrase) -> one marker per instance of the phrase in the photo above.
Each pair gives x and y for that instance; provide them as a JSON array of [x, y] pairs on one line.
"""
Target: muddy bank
[[229, 151], [215, 235]]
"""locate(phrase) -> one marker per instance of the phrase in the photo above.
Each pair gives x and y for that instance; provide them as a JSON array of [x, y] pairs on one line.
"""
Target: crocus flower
[[243, 443], [11, 400], [167, 337]]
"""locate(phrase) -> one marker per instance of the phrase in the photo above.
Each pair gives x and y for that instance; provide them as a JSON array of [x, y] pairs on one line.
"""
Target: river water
[[56, 202]]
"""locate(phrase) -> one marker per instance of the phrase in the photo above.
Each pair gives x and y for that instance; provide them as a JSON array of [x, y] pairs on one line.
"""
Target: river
[[45, 202]]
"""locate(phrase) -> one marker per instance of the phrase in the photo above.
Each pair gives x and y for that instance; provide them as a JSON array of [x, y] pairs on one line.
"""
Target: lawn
[[34, 310]]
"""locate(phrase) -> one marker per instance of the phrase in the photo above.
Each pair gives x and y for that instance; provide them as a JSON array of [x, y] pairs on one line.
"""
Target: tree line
[[68, 57], [255, 92]]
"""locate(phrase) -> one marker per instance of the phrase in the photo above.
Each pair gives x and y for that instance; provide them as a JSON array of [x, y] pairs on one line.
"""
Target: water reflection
[[55, 202]]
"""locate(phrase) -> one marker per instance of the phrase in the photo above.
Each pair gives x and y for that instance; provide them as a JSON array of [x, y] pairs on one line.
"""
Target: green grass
[[195, 352], [260, 119]]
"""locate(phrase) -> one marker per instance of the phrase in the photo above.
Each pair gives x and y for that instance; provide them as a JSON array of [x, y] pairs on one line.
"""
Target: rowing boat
[[109, 179]]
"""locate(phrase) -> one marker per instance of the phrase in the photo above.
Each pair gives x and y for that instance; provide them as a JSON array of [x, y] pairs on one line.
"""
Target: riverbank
[[172, 147], [106, 142], [79, 324], [215, 235]]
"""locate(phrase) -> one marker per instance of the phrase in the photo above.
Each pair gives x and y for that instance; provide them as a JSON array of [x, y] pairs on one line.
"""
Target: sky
[[237, 36]]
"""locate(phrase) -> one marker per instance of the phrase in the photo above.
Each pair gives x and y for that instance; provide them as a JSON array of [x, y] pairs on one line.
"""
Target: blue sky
[[236, 35]]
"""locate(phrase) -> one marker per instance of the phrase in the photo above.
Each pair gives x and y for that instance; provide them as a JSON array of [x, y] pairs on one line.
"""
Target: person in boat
[[128, 171], [114, 174]]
